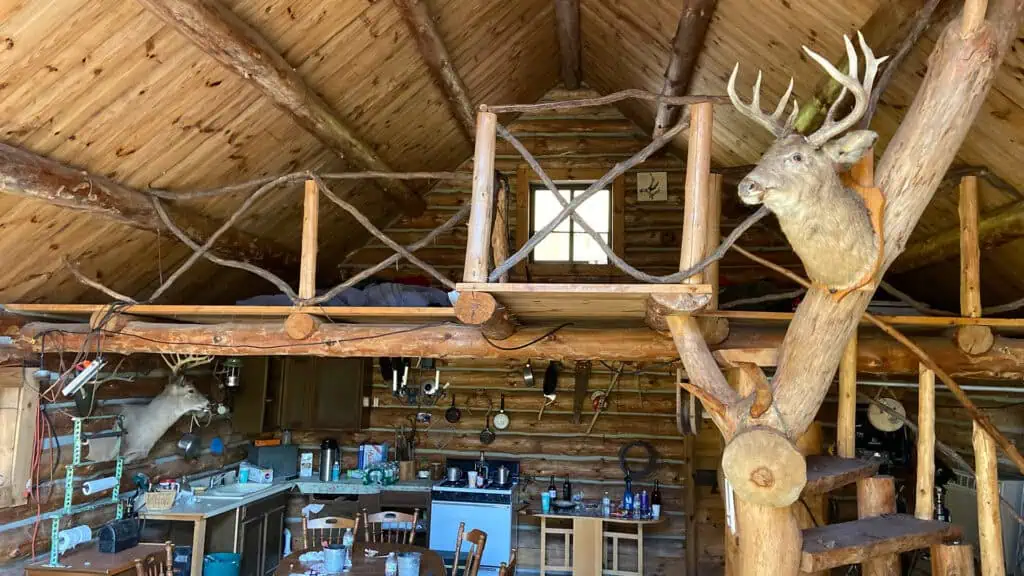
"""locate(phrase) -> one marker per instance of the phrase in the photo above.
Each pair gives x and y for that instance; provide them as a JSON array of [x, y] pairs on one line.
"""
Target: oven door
[[494, 519]]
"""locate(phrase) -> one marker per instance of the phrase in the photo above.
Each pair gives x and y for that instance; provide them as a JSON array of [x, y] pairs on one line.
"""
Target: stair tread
[[826, 473], [827, 547]]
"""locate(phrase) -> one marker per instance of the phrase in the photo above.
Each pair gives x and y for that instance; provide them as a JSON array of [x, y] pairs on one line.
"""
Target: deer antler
[[178, 363], [851, 85], [753, 110]]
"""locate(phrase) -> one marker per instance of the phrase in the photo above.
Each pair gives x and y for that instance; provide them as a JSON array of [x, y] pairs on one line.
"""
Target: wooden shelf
[[827, 473], [582, 302], [243, 314], [827, 547]]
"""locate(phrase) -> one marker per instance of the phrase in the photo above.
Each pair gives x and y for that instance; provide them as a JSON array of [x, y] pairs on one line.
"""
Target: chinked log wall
[[576, 138], [641, 408], [17, 523]]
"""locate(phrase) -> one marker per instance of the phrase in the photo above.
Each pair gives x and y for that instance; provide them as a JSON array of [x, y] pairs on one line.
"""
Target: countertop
[[594, 515], [210, 507]]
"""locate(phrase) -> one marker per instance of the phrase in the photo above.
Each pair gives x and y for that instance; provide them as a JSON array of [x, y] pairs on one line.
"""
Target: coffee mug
[[472, 476]]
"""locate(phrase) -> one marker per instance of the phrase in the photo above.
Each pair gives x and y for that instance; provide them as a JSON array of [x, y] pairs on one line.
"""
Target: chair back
[[510, 568], [390, 527], [477, 541], [152, 566], [319, 532], [458, 548]]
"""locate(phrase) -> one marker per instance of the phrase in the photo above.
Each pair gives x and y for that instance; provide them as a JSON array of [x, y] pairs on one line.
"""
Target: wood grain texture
[[567, 19], [924, 507], [970, 250], [828, 473], [686, 47], [698, 182], [990, 535], [846, 422], [310, 227], [953, 559], [876, 498], [853, 542], [481, 216]]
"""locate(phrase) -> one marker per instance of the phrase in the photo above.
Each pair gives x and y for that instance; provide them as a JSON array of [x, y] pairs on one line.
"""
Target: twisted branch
[[94, 284], [605, 100]]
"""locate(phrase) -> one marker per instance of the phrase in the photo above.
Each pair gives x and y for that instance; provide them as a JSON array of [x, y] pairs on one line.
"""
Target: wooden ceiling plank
[[25, 174], [686, 46], [567, 17], [434, 52], [221, 34]]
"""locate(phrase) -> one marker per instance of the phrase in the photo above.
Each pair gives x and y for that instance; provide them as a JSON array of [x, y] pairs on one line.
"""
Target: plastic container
[[222, 564], [409, 564]]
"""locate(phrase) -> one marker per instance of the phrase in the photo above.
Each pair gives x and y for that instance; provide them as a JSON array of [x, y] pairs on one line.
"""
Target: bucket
[[409, 564], [221, 564]]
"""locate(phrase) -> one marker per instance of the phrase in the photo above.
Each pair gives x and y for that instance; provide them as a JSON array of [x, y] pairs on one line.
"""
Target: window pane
[[545, 208], [597, 210], [553, 248], [585, 250]]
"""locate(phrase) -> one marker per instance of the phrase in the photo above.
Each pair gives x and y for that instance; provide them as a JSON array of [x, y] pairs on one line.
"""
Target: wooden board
[[826, 473], [580, 302], [246, 314], [846, 543]]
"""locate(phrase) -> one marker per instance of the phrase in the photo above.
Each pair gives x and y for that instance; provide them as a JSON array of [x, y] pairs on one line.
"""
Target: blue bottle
[[627, 496]]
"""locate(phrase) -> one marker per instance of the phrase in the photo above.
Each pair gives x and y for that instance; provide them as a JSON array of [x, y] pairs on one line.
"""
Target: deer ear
[[848, 149]]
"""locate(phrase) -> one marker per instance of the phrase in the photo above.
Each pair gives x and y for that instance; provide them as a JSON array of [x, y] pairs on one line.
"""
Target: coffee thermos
[[329, 455]]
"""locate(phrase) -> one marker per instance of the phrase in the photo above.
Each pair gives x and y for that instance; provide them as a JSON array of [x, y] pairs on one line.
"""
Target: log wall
[[17, 524]]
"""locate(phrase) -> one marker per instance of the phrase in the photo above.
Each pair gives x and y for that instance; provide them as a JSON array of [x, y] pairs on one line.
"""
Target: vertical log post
[[952, 560], [299, 325], [690, 495], [877, 496], [924, 507], [716, 330], [847, 416], [482, 208], [990, 534], [695, 214], [971, 339], [480, 308], [499, 236]]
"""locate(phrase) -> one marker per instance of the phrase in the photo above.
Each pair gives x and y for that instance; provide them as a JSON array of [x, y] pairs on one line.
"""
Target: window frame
[[525, 177]]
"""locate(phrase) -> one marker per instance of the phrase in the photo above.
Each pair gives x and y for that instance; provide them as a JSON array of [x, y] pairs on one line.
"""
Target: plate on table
[[563, 504]]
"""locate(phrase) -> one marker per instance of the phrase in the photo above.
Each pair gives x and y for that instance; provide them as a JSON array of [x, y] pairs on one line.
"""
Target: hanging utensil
[[548, 401], [528, 375], [501, 420], [487, 435], [603, 401], [551, 377], [453, 414]]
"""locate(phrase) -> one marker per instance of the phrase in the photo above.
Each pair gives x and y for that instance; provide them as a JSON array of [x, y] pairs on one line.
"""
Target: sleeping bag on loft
[[388, 294]]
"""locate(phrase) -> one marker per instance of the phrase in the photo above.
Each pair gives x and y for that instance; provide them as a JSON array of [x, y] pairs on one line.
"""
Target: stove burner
[[488, 485]]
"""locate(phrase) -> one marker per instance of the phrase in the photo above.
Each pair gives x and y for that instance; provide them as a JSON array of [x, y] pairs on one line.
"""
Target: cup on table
[[409, 564], [545, 502], [243, 475], [334, 559], [471, 476]]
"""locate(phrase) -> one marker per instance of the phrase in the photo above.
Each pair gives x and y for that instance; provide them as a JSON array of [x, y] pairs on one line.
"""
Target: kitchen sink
[[234, 491]]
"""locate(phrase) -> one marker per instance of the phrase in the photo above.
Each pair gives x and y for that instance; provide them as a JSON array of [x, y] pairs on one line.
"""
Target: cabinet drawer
[[394, 499], [261, 507]]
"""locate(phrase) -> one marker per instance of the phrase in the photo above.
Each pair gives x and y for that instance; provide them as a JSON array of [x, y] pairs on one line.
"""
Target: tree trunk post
[[990, 535], [310, 222], [877, 496], [770, 540], [846, 420], [952, 560], [924, 507], [481, 213], [697, 189], [499, 236], [971, 339]]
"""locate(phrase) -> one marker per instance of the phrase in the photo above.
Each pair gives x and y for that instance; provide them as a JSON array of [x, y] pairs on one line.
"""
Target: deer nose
[[750, 192]]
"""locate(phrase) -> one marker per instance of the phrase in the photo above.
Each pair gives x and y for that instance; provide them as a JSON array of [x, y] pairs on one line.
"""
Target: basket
[[162, 500]]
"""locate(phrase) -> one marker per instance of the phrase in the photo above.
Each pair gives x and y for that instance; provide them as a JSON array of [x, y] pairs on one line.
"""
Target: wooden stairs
[[833, 545]]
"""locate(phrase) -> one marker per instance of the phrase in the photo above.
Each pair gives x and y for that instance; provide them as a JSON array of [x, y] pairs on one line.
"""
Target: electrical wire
[[549, 333]]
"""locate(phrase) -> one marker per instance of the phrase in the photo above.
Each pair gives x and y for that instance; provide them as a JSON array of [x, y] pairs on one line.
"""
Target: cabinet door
[[297, 392], [251, 535], [274, 541], [339, 387], [251, 396]]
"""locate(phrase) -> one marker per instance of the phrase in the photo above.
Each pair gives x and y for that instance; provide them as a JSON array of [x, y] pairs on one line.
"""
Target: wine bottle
[[567, 490], [553, 490]]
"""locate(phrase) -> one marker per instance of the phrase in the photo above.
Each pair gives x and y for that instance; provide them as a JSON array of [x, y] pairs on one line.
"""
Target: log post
[[567, 22], [973, 16], [770, 540], [482, 212], [690, 495], [876, 496], [971, 339], [847, 417], [300, 325], [990, 535], [686, 46], [815, 513], [952, 559], [716, 330], [499, 236], [924, 507]]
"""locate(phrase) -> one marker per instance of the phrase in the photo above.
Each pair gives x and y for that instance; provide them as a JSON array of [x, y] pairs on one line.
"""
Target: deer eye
[[797, 157]]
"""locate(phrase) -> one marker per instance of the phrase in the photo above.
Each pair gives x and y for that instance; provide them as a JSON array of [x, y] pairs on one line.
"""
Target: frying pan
[[551, 378], [453, 414], [528, 375], [487, 435]]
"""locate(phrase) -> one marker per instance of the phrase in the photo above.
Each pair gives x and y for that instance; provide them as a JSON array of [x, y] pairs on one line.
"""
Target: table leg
[[543, 544], [198, 545], [586, 546], [640, 548]]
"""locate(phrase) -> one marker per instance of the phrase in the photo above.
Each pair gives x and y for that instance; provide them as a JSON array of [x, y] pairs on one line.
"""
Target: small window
[[568, 242]]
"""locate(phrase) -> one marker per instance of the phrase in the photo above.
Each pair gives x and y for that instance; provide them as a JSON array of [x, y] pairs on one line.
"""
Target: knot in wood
[[763, 477]]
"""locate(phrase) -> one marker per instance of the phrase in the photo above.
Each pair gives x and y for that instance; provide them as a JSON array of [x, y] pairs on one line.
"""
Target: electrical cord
[[528, 344]]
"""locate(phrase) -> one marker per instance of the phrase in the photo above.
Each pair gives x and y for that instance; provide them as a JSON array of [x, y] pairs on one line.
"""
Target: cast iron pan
[[453, 414], [487, 435], [551, 378]]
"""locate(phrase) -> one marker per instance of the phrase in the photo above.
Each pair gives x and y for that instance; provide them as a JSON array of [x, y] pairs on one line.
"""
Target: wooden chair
[[510, 568], [390, 526], [317, 532], [151, 566], [477, 540]]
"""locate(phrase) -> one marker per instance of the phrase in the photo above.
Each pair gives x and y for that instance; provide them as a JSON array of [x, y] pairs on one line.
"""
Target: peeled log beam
[[686, 46], [29, 175], [481, 309], [432, 48], [1002, 227], [567, 18], [221, 34], [877, 354]]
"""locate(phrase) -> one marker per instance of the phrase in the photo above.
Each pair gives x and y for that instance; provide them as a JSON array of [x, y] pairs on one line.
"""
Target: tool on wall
[[453, 414], [688, 409], [550, 386], [528, 375], [487, 435], [580, 389], [501, 420], [600, 399]]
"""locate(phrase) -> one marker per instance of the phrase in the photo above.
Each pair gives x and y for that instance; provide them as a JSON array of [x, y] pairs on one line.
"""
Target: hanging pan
[[453, 414], [487, 435]]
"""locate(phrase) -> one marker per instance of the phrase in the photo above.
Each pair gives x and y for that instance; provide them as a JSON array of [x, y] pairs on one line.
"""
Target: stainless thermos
[[329, 454]]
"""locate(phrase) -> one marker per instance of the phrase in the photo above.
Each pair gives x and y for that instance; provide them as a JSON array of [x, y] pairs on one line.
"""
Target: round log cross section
[[764, 467]]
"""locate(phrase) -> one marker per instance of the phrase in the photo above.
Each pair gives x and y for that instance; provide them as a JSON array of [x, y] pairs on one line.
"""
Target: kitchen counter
[[353, 486]]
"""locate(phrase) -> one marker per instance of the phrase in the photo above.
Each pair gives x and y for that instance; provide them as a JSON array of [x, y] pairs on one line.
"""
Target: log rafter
[[567, 19], [221, 34], [686, 46]]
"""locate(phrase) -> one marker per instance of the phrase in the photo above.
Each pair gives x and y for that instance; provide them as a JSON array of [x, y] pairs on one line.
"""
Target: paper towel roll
[[97, 486], [68, 539]]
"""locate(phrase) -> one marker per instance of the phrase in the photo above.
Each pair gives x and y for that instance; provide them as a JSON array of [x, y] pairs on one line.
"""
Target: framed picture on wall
[[651, 186]]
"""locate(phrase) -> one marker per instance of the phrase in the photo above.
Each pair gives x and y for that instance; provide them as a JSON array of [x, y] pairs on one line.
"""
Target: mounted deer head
[[798, 177]]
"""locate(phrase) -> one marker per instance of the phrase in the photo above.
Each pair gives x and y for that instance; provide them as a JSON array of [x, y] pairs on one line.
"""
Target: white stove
[[489, 509]]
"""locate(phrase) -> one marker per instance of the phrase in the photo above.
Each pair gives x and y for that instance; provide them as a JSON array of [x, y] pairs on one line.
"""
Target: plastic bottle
[[606, 504], [287, 542], [627, 496], [348, 540], [391, 565], [336, 472]]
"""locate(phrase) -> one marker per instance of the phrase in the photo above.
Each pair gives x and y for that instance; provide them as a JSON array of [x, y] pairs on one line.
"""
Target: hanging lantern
[[233, 368]]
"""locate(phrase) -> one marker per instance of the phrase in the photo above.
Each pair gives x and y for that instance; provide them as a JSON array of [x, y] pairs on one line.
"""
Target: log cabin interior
[[543, 282]]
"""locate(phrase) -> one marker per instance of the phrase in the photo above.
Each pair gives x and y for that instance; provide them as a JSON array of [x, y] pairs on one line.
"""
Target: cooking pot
[[504, 475], [454, 474]]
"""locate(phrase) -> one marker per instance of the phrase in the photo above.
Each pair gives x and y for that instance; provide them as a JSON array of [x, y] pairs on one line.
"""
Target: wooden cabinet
[[303, 393], [261, 536]]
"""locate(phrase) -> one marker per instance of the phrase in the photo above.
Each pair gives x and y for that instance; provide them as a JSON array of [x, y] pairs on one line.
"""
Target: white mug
[[472, 476]]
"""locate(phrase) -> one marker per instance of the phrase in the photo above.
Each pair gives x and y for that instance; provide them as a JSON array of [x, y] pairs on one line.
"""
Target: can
[[645, 503]]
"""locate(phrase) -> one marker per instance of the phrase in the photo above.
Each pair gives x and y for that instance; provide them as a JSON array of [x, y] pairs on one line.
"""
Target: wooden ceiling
[[107, 86]]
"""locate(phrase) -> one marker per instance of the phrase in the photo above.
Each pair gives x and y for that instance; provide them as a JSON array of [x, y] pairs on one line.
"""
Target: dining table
[[431, 563]]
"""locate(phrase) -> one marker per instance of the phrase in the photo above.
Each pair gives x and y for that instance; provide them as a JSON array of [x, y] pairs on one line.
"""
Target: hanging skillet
[[551, 378], [501, 421], [487, 435], [453, 414]]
